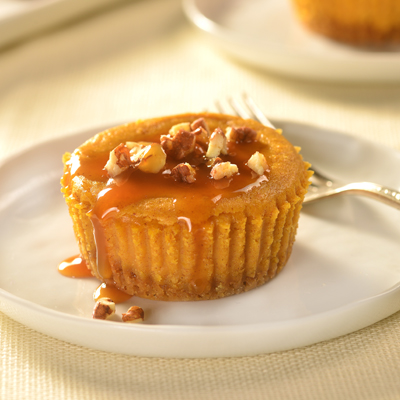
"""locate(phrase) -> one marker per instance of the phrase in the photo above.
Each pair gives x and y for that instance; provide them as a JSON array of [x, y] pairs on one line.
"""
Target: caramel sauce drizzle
[[189, 198], [103, 264]]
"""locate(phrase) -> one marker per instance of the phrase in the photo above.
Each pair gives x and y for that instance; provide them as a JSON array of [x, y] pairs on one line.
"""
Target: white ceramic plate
[[266, 34], [343, 275]]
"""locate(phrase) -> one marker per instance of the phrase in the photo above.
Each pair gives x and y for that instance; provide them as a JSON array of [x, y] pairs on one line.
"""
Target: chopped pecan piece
[[136, 150], [217, 145], [200, 123], [201, 135], [179, 145], [146, 156], [104, 308], [184, 126], [258, 163], [201, 130], [184, 172], [118, 161], [152, 159], [122, 154], [241, 134], [133, 315], [223, 170]]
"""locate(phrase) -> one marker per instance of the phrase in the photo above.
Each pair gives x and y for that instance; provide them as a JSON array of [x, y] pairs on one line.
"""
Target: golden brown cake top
[[189, 166]]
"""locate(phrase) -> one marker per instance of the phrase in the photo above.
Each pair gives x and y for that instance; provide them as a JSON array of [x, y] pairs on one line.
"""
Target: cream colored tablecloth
[[119, 66]]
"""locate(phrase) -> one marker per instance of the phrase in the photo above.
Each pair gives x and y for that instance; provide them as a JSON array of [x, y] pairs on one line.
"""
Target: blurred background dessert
[[358, 22]]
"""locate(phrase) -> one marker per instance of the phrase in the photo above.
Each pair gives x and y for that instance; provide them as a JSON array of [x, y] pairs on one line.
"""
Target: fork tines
[[246, 109]]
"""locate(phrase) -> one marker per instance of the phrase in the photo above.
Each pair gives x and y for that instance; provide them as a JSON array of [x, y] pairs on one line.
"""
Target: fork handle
[[378, 192]]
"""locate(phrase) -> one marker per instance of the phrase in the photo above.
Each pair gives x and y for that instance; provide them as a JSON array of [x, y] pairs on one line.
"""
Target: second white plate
[[266, 34], [343, 274]]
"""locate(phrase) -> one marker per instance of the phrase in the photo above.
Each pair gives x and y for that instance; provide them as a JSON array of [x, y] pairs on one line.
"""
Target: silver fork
[[321, 186]]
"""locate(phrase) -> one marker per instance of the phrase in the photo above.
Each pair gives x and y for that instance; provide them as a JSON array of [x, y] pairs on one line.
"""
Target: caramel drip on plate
[[74, 267], [109, 291]]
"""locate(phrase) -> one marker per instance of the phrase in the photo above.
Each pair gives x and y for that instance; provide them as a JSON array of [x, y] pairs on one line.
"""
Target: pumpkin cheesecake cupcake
[[358, 22], [185, 207]]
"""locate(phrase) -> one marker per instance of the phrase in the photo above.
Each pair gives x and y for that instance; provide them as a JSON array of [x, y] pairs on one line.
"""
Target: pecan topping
[[119, 161], [241, 134], [201, 130], [134, 314], [123, 156], [136, 150], [104, 308], [217, 145], [223, 170], [184, 172], [148, 157], [201, 135], [258, 163], [152, 159], [184, 139], [184, 126], [179, 145], [200, 123]]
